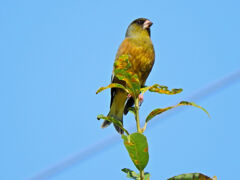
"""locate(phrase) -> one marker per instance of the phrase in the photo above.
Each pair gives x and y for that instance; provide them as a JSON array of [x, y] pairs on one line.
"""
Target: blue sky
[[56, 54]]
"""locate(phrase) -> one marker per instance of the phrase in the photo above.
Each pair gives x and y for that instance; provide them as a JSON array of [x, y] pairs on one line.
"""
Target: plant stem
[[138, 127], [137, 115], [141, 175]]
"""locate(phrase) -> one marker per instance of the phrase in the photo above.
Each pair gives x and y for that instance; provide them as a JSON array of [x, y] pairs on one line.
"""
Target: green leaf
[[158, 111], [122, 70], [160, 89], [195, 105], [137, 147], [122, 62], [192, 176], [129, 81], [146, 176], [132, 110], [133, 175], [112, 85], [114, 121]]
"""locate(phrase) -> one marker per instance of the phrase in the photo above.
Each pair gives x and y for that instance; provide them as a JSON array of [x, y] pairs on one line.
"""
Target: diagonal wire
[[76, 158], [94, 149]]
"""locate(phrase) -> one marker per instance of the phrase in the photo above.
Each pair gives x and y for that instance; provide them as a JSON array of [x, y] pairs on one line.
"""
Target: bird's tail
[[116, 111], [118, 117]]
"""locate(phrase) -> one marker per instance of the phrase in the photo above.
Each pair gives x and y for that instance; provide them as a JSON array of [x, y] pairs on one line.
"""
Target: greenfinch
[[139, 48]]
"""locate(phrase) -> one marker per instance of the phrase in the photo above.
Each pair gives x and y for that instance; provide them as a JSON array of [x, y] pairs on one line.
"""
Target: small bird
[[139, 48]]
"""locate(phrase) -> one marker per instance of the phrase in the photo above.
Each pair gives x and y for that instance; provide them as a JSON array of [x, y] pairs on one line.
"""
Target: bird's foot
[[140, 97], [129, 96]]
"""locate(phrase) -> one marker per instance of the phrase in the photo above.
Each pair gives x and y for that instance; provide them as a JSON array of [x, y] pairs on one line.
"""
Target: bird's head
[[139, 27]]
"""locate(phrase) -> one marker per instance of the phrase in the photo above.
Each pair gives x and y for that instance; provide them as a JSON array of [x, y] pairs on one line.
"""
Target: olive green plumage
[[138, 46]]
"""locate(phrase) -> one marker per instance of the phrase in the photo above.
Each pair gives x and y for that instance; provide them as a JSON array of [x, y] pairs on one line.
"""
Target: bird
[[138, 46]]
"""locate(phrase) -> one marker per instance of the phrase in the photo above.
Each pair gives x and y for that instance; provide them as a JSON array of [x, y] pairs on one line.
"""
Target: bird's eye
[[139, 22]]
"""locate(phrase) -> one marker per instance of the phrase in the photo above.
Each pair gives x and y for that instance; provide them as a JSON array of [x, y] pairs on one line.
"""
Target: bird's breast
[[141, 55], [142, 60]]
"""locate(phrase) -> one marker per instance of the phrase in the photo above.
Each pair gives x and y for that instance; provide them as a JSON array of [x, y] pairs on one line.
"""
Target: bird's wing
[[140, 55], [128, 47], [113, 90], [125, 48]]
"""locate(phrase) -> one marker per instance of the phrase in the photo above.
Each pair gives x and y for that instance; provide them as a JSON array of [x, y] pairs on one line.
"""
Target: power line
[[75, 158], [216, 86], [92, 150]]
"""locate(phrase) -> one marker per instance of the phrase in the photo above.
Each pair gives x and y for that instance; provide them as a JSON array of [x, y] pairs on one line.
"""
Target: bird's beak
[[147, 24]]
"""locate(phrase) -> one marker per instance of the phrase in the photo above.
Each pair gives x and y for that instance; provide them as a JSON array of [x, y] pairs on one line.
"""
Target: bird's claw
[[140, 97]]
